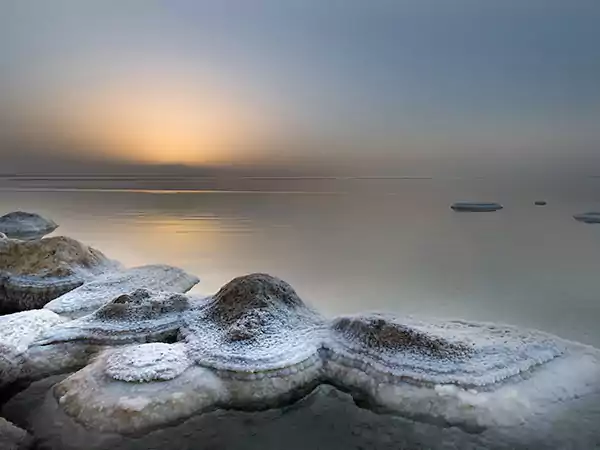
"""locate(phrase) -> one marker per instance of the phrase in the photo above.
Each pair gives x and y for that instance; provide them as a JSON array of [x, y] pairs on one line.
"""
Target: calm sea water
[[355, 245]]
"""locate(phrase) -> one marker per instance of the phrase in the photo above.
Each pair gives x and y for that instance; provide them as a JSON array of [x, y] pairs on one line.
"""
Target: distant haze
[[298, 87]]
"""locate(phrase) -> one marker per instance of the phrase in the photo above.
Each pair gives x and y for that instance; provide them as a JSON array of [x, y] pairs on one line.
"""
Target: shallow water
[[355, 245]]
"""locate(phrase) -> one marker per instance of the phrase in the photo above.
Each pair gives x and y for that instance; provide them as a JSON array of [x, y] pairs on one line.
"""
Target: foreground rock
[[588, 217], [34, 272], [24, 225], [255, 345], [475, 206], [97, 293], [13, 438]]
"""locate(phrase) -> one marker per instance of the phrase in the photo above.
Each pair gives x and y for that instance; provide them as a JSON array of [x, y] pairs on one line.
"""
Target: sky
[[317, 84]]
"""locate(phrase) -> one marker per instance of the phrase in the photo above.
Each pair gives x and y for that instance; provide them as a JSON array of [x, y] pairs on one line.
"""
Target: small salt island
[[588, 217], [476, 206]]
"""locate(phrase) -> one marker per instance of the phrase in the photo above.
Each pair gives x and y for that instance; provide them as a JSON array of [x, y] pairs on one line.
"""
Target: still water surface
[[367, 245]]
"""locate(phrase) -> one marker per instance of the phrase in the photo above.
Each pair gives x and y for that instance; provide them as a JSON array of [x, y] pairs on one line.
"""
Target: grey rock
[[476, 206], [24, 225]]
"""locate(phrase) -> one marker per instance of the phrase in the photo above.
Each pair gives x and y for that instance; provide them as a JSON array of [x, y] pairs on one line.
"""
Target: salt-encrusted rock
[[97, 293], [34, 272], [476, 206], [141, 316], [14, 438], [255, 345], [254, 323], [24, 225]]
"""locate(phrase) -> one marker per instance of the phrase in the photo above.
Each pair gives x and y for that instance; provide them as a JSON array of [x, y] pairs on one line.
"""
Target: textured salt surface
[[150, 362], [97, 293], [17, 332], [253, 323], [141, 316]]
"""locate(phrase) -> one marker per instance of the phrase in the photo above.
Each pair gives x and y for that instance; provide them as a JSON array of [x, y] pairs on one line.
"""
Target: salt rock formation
[[588, 217], [475, 206], [141, 316], [24, 225], [255, 345], [93, 295], [35, 272]]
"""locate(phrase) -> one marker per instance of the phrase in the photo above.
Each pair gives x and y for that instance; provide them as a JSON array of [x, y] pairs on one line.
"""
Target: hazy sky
[[315, 81]]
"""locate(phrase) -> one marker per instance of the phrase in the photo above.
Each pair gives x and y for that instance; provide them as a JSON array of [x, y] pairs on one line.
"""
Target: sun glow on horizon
[[158, 123]]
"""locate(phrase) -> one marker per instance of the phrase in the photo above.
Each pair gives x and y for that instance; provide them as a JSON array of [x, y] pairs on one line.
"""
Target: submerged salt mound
[[476, 206], [254, 323], [140, 316], [35, 272], [93, 295], [22, 225], [588, 217]]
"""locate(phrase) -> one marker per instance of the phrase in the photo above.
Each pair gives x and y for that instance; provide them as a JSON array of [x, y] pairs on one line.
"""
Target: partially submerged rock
[[34, 272], [476, 206], [97, 293], [255, 345], [588, 217], [24, 225]]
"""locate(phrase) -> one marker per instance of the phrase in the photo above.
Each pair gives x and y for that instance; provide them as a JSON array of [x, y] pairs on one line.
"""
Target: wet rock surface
[[326, 419]]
